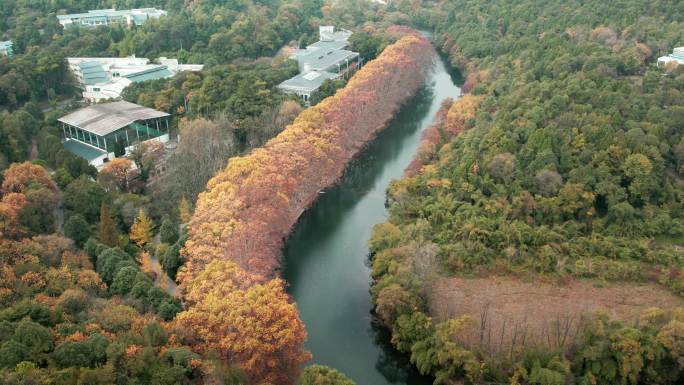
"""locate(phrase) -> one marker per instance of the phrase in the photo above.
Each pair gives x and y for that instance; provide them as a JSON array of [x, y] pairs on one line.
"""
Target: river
[[326, 257]]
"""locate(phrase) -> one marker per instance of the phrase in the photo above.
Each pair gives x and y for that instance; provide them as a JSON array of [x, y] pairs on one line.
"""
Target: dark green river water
[[326, 257]]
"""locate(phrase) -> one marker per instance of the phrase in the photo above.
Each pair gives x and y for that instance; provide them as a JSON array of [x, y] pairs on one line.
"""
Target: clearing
[[510, 313]]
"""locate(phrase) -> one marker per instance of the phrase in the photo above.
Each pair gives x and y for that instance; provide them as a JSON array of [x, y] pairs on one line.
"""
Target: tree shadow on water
[[391, 363]]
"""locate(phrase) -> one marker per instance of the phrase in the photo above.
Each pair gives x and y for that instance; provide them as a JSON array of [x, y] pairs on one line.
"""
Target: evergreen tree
[[168, 231], [107, 231], [77, 228]]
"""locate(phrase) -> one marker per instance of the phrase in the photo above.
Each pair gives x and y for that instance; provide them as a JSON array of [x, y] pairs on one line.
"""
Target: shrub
[[78, 229], [323, 375]]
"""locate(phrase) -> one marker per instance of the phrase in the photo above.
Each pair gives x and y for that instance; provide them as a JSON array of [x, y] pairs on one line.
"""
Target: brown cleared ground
[[512, 313]]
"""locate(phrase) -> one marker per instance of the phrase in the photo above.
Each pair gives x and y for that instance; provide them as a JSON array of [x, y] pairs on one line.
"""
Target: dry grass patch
[[510, 313]]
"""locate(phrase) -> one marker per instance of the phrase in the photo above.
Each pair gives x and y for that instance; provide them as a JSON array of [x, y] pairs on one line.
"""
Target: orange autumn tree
[[17, 182], [10, 205], [230, 276], [257, 330], [20, 175], [116, 173]]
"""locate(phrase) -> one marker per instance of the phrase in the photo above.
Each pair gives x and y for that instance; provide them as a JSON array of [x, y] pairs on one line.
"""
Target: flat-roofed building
[[98, 132], [676, 57], [98, 17], [106, 78], [305, 84], [7, 48], [328, 33], [331, 60], [323, 60]]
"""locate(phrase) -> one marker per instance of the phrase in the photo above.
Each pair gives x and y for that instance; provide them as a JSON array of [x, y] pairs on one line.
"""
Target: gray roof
[[335, 35], [338, 44], [307, 82], [324, 59], [103, 119], [158, 72], [92, 72]]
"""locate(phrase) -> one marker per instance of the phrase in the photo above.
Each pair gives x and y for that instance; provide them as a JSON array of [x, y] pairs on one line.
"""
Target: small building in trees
[[105, 78], [327, 59], [98, 17], [102, 132], [676, 58], [6, 48]]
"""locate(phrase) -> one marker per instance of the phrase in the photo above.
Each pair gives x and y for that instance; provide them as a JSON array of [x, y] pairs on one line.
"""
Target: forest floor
[[510, 313], [162, 280]]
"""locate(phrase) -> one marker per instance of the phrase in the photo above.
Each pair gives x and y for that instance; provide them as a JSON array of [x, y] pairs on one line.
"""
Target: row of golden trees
[[237, 308]]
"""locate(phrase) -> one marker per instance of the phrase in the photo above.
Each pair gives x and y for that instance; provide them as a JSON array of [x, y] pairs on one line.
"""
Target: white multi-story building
[[326, 59], [106, 78], [99, 17]]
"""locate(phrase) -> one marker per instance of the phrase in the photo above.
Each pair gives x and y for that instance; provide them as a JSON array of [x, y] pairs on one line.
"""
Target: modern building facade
[[106, 78], [7, 48], [98, 17], [327, 59], [98, 132], [677, 57]]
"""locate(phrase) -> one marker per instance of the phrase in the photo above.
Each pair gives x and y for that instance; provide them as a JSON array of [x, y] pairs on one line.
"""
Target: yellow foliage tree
[[141, 231], [184, 211], [257, 329]]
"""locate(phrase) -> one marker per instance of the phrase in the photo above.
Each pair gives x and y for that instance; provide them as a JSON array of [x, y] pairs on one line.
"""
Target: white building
[[677, 56], [7, 48], [99, 17], [106, 78], [327, 59]]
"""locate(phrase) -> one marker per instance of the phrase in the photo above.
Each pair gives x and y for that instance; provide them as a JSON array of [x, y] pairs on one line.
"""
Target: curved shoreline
[[241, 221]]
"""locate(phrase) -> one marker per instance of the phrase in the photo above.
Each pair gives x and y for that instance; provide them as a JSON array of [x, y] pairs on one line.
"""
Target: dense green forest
[[570, 167]]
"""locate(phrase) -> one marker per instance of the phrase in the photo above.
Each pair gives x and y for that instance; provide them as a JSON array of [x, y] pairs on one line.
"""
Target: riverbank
[[238, 227], [326, 257]]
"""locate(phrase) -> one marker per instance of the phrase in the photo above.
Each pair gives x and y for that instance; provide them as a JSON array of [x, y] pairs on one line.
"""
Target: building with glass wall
[[101, 132]]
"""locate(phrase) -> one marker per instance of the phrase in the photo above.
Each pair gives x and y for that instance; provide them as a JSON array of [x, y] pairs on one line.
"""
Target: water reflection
[[394, 365], [326, 261]]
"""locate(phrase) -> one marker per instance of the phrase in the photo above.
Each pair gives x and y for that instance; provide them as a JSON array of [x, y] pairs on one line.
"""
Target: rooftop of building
[[328, 33], [672, 58], [307, 82], [103, 119], [152, 73], [92, 72], [154, 12], [323, 59], [131, 66], [6, 44], [337, 44]]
